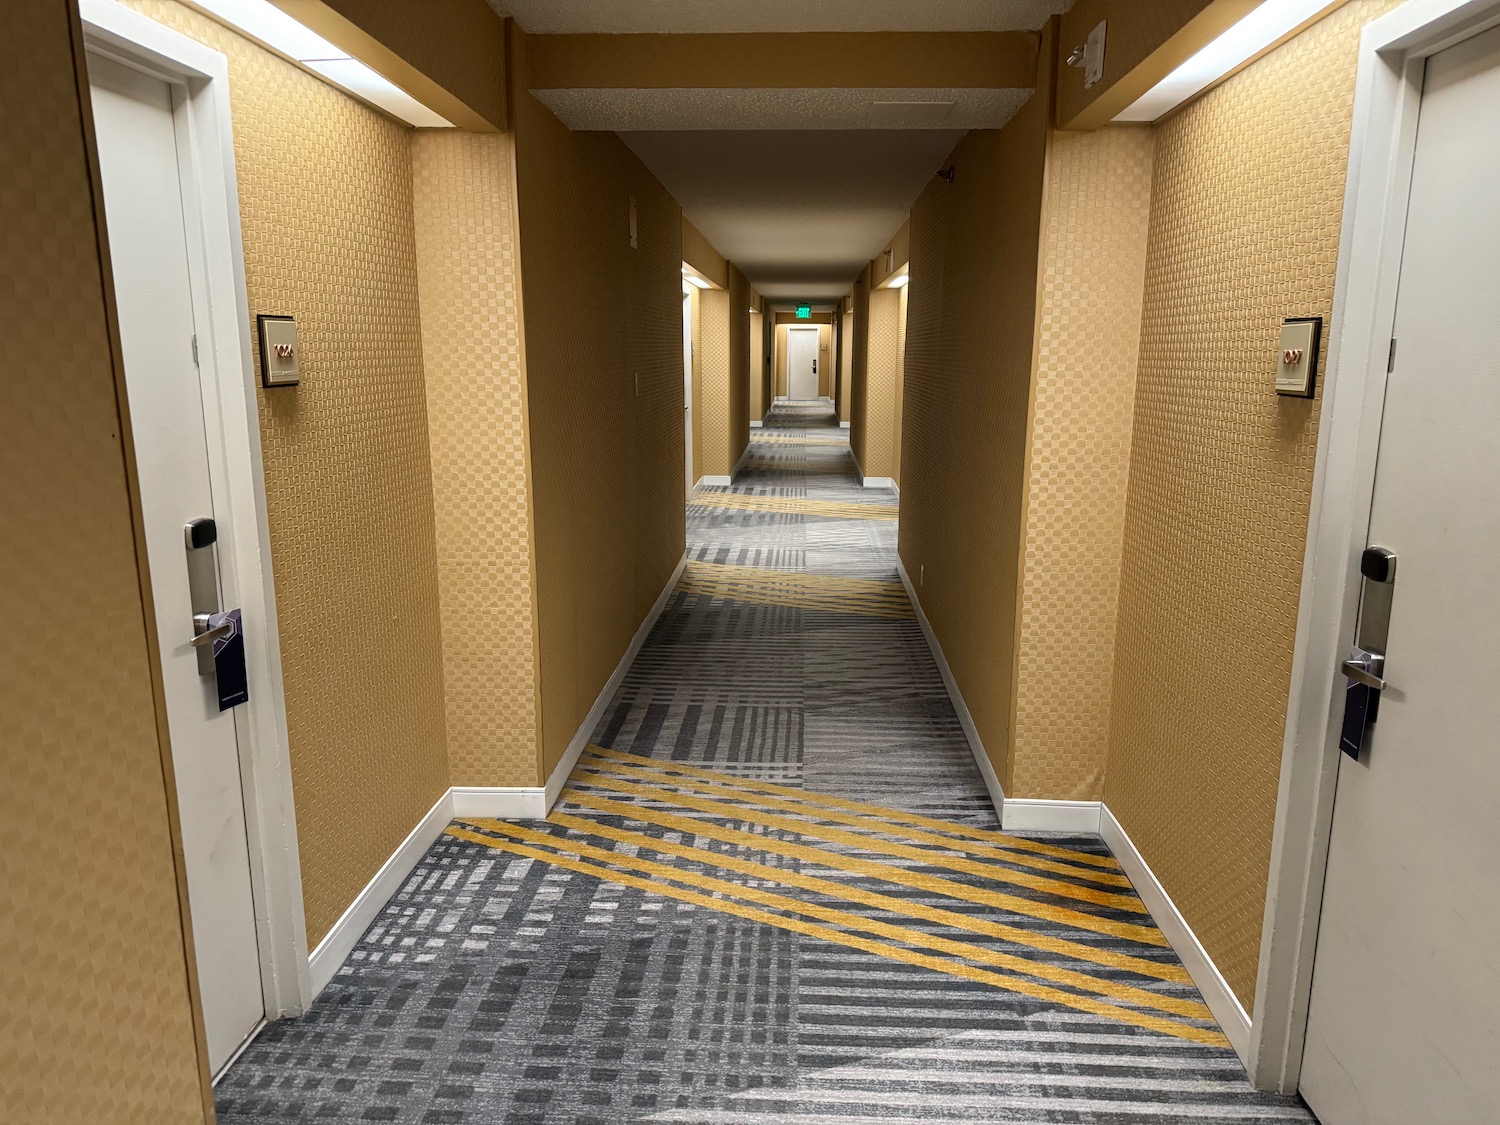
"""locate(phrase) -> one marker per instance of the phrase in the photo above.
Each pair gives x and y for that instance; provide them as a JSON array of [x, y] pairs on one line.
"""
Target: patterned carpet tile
[[774, 891]]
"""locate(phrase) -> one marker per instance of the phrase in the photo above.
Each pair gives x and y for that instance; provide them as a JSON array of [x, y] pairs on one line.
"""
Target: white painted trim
[[500, 802], [714, 482], [756, 425], [1216, 992], [1033, 814], [199, 77], [1388, 90], [340, 941], [844, 425], [965, 720], [877, 482]]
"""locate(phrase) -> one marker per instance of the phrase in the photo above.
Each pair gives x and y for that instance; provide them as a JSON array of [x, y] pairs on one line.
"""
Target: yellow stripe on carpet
[[893, 952]]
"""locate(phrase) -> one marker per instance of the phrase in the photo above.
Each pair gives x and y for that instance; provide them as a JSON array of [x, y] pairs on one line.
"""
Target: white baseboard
[[713, 482], [1217, 994], [878, 482], [976, 744], [337, 944], [500, 802], [1032, 814], [843, 425], [756, 425]]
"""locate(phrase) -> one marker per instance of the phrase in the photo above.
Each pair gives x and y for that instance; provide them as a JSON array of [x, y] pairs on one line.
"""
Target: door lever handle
[[206, 636], [1365, 669]]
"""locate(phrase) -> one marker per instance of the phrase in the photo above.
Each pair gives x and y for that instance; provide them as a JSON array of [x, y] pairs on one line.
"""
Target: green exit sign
[[804, 312]]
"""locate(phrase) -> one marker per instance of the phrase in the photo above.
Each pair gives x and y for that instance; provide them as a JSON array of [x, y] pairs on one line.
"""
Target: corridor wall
[[348, 471], [603, 335], [1219, 465], [1093, 252], [969, 361], [100, 1022], [1123, 445], [469, 286]]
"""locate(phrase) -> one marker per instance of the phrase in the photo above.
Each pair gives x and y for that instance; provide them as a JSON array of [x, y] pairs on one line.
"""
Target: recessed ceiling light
[[1266, 24]]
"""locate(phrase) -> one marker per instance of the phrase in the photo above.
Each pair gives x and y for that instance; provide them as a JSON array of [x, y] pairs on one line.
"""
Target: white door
[[802, 363], [145, 214], [1404, 1024]]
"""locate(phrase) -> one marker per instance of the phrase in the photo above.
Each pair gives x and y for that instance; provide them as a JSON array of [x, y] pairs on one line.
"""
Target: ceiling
[[800, 212], [798, 186], [566, 17], [826, 109]]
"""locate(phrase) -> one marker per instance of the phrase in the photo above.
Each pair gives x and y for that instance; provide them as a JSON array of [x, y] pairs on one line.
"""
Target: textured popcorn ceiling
[[799, 211], [564, 17], [847, 108]]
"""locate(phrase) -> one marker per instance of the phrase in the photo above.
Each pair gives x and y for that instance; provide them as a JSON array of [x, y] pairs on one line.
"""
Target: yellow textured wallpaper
[[970, 330], [1221, 473], [696, 313], [98, 1023], [899, 404], [846, 362], [738, 436], [603, 329], [1094, 261], [877, 423], [476, 413], [711, 410], [760, 380], [859, 364], [348, 476]]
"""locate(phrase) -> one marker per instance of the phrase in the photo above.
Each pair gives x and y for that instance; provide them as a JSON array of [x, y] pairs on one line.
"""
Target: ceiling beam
[[448, 54], [786, 61]]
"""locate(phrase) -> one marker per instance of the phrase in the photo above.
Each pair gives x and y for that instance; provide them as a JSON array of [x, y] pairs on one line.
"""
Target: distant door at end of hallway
[[802, 363], [1403, 1023], [155, 286]]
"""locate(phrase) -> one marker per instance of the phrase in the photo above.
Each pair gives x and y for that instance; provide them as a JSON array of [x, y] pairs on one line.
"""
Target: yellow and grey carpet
[[773, 891]]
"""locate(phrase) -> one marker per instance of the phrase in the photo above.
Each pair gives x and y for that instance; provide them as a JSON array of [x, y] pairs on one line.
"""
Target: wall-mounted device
[[1297, 356], [1365, 668], [280, 363], [1088, 56]]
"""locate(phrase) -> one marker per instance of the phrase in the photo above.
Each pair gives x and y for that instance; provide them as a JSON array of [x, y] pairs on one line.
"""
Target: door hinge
[[195, 349], [1390, 361]]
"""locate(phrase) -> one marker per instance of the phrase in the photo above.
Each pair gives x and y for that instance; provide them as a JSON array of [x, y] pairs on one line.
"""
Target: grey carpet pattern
[[564, 971]]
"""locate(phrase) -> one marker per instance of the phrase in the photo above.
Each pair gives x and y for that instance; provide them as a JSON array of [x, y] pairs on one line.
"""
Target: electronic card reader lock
[[1365, 668], [218, 636]]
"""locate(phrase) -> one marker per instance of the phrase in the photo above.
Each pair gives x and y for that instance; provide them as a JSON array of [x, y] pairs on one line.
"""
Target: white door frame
[[817, 355], [1388, 96], [199, 79]]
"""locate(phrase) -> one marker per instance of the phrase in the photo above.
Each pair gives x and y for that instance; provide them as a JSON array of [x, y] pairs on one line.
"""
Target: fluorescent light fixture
[[1266, 24], [897, 280], [361, 81], [269, 25], [698, 281]]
